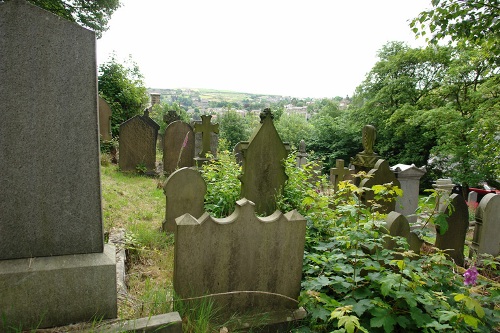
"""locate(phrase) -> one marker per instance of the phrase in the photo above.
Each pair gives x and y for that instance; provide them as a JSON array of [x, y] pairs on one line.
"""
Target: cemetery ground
[[348, 285]]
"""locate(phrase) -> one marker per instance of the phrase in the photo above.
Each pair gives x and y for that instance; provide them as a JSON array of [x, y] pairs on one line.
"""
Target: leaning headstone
[[398, 225], [487, 228], [54, 266], [104, 120], [302, 154], [178, 147], [338, 174], [365, 160], [184, 190], [207, 139], [409, 178], [381, 174], [453, 240], [137, 147], [264, 256], [263, 172]]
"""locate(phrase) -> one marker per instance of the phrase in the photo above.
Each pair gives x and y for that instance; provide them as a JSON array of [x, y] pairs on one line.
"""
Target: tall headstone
[[253, 264], [104, 120], [54, 266], [409, 178], [184, 190], [302, 154], [206, 137], [263, 172], [453, 240], [137, 147], [380, 174], [365, 160], [487, 228], [178, 147], [338, 174]]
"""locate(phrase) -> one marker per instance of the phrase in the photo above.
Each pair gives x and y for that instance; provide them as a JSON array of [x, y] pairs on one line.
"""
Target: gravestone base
[[274, 321], [55, 291]]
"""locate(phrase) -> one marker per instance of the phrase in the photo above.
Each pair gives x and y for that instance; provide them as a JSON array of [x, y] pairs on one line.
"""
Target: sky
[[314, 48]]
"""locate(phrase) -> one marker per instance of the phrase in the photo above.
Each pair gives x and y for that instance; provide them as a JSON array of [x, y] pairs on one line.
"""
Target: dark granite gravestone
[[178, 147], [54, 266], [137, 148], [263, 172], [453, 240]]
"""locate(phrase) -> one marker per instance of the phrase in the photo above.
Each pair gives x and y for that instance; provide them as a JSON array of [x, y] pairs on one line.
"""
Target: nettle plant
[[352, 284]]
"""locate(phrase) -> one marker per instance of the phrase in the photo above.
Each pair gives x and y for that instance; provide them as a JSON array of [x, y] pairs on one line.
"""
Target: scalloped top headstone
[[263, 172], [50, 195]]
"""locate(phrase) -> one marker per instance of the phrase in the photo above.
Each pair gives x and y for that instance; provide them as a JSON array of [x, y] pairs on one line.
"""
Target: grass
[[136, 204]]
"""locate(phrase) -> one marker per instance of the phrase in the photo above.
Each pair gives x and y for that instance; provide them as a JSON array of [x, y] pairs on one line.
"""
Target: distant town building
[[155, 98]]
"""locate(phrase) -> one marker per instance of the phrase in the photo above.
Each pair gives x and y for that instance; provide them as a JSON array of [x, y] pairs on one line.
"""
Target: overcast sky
[[315, 48]]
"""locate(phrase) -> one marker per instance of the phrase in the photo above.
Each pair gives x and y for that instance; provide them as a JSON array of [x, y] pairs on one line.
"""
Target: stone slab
[[165, 323], [50, 197], [41, 292]]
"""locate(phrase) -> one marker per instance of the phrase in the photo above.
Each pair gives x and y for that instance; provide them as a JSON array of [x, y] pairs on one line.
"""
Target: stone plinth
[[409, 178]]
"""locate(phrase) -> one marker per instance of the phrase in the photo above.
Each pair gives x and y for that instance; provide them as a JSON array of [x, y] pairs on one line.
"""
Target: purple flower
[[184, 144], [470, 276]]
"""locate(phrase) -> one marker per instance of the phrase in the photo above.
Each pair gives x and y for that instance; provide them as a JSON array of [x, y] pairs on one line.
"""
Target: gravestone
[[238, 155], [137, 145], [263, 172], [178, 147], [302, 154], [54, 266], [472, 198], [184, 190], [249, 264], [171, 116], [453, 240], [409, 178], [487, 228], [338, 174], [207, 139], [365, 160], [443, 186], [398, 225], [381, 174], [104, 120]]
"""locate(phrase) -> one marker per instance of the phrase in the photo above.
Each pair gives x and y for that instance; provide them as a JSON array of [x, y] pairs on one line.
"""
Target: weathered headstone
[[238, 155], [207, 139], [264, 255], [397, 225], [453, 240], [381, 174], [472, 199], [444, 187], [487, 228], [138, 144], [171, 116], [302, 154], [365, 160], [263, 172], [104, 120], [184, 190], [54, 266], [338, 174], [178, 147], [409, 178]]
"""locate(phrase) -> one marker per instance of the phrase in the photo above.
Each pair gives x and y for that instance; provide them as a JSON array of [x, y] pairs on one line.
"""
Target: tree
[[122, 86], [294, 127], [474, 22], [233, 128], [91, 14]]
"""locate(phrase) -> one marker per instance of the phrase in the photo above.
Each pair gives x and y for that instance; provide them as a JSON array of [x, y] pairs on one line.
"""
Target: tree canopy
[[93, 14]]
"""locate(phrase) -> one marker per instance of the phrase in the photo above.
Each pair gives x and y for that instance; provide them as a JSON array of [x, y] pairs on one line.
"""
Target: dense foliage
[[351, 282], [91, 14], [122, 86]]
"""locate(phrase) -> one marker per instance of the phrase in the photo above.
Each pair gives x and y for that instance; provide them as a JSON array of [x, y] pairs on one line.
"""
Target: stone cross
[[206, 128], [339, 173]]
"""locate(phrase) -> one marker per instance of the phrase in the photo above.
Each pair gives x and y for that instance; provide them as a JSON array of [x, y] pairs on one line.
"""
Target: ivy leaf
[[318, 312], [360, 307]]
